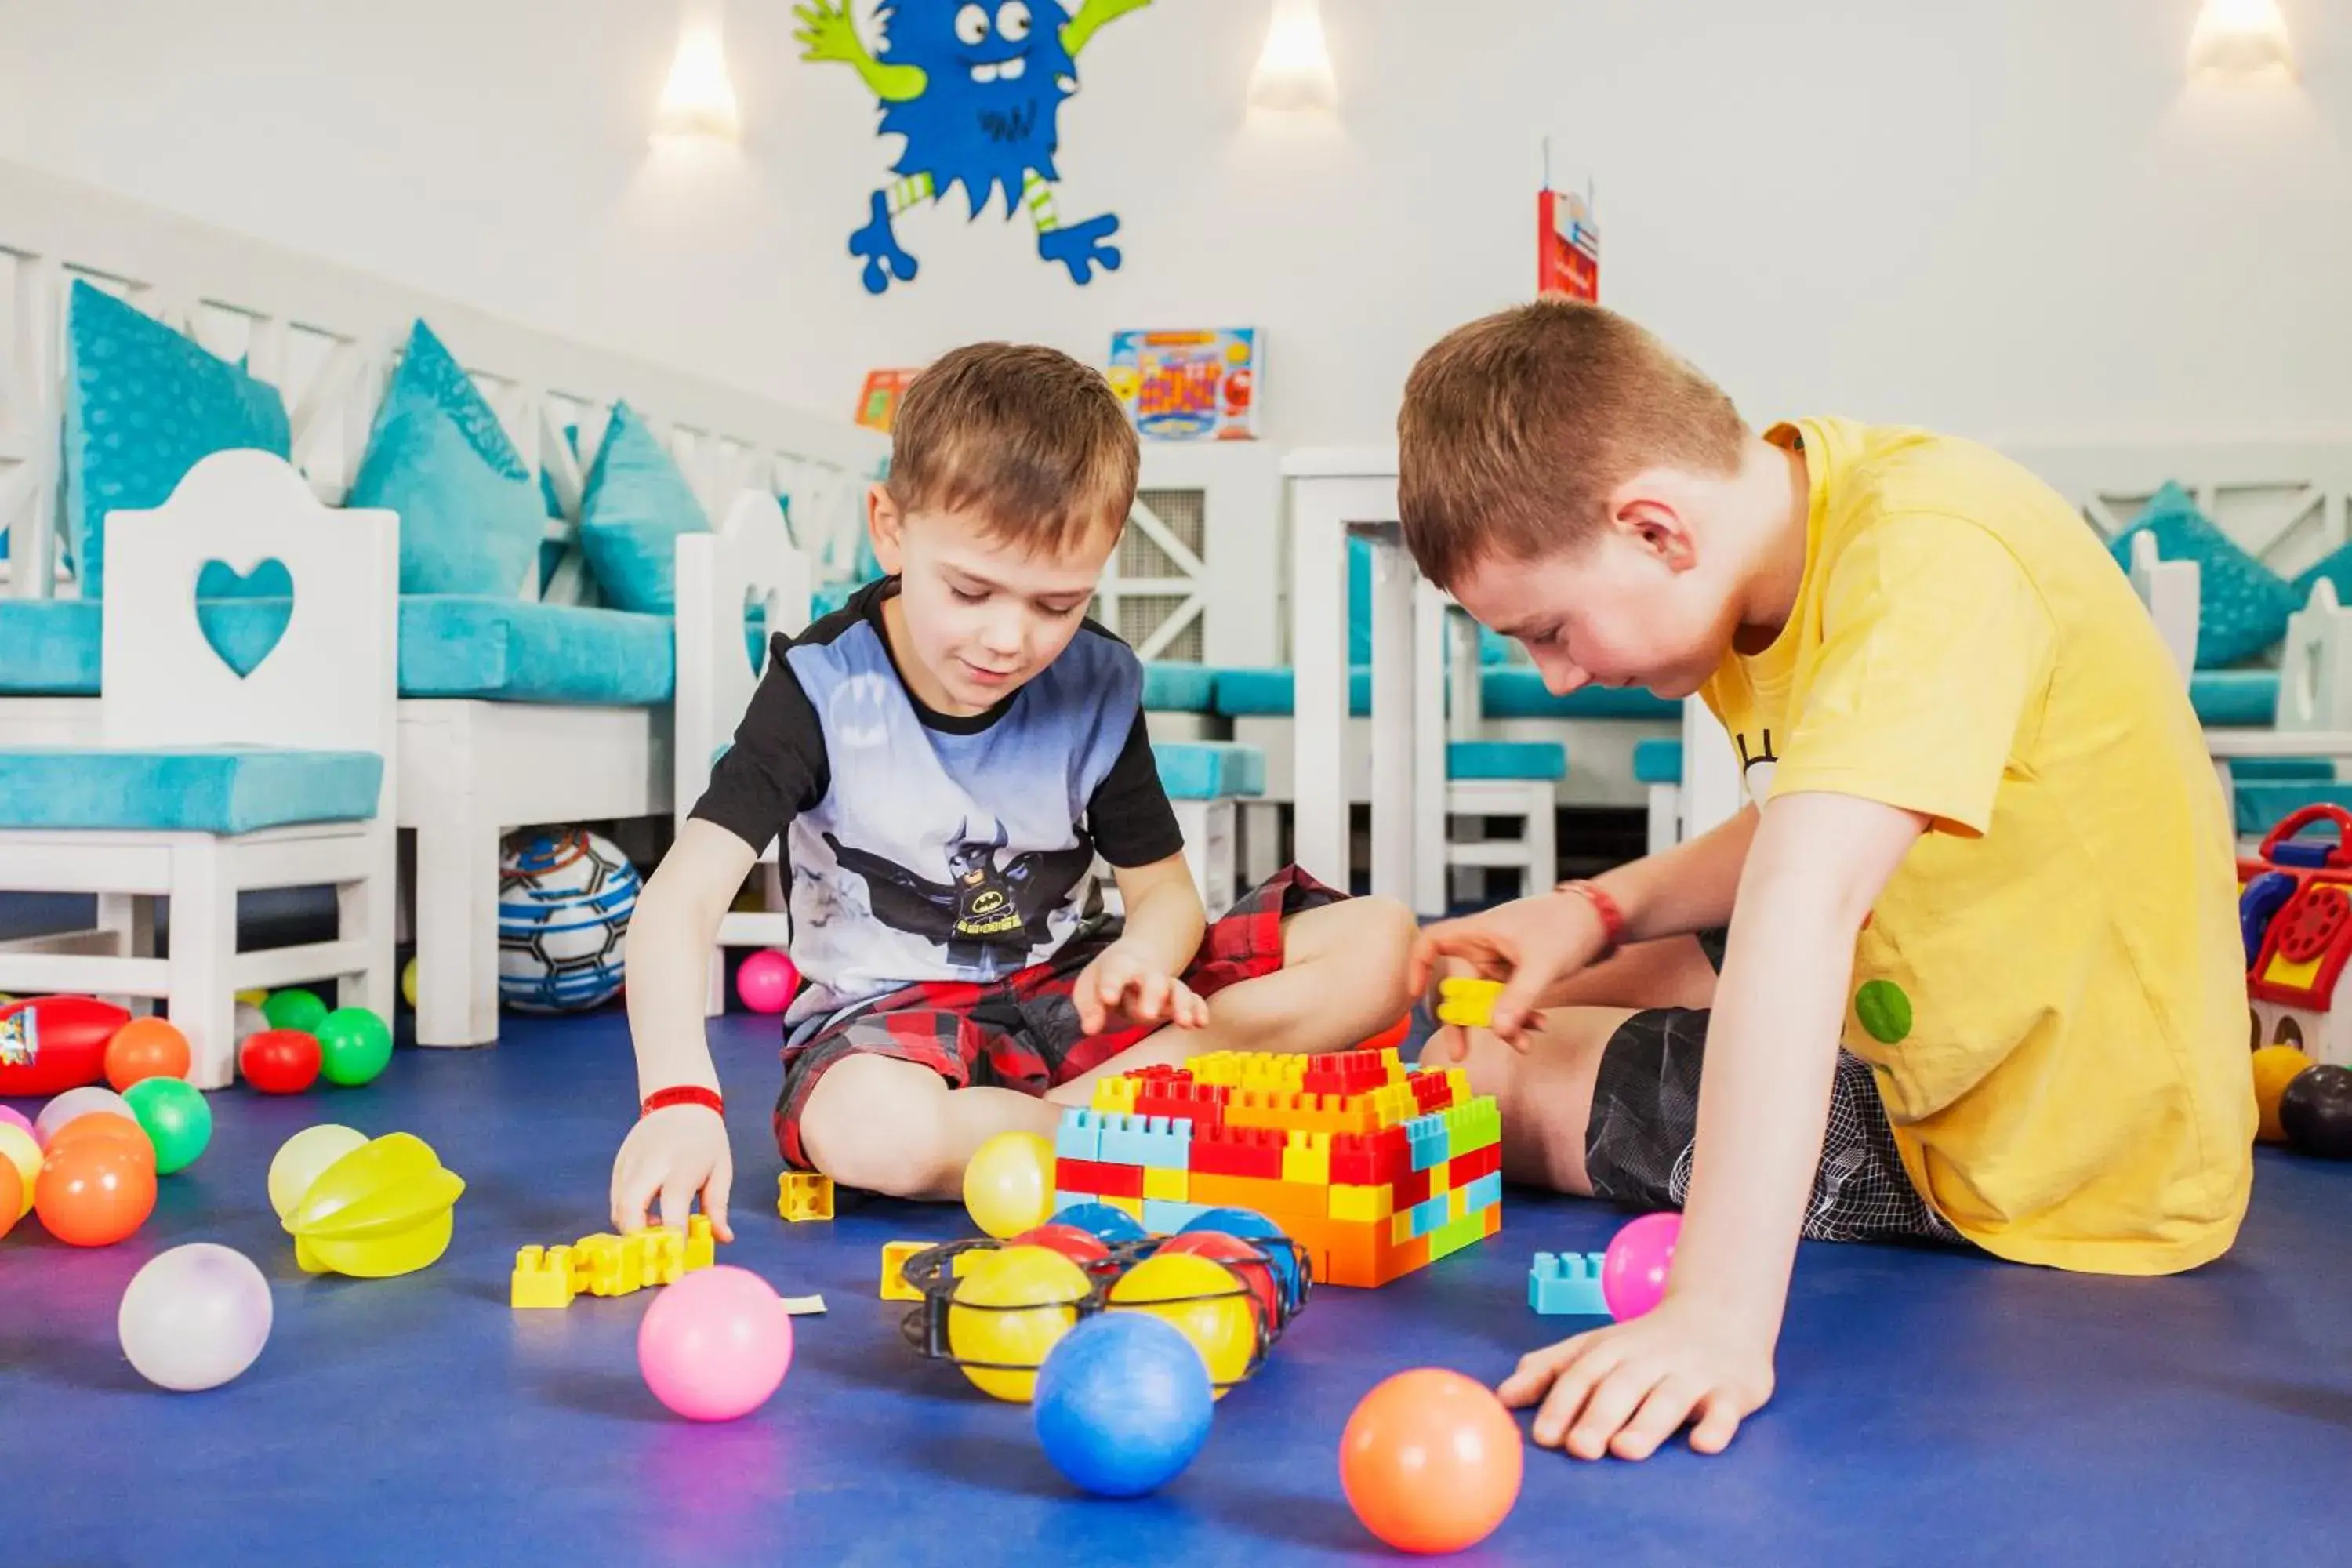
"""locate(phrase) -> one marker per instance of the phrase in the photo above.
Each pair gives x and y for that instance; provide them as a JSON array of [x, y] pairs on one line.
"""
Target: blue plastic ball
[[1123, 1404], [1248, 1224], [1114, 1225]]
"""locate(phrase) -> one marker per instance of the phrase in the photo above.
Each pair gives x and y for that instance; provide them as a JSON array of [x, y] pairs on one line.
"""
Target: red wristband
[[1612, 919], [685, 1094]]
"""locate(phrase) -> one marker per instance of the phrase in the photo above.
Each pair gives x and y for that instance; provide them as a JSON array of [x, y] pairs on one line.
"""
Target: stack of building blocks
[[610, 1265], [1374, 1168], [804, 1195], [1567, 1285]]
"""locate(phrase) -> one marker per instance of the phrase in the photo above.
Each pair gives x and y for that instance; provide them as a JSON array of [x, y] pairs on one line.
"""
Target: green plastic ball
[[177, 1119], [295, 1009], [355, 1045]]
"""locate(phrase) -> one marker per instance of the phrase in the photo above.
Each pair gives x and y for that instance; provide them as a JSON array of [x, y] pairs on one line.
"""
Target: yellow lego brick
[[894, 1262], [596, 1267], [1362, 1204], [662, 1255], [1306, 1159], [701, 1251], [1117, 1095], [1400, 1228], [542, 1278], [1166, 1186], [1437, 1179], [1457, 1205], [1131, 1207], [804, 1195]]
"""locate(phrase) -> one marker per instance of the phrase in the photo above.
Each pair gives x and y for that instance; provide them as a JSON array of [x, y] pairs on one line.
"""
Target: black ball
[[2317, 1112]]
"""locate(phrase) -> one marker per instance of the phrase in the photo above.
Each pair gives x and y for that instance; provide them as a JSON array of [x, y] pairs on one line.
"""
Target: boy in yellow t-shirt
[[1983, 982]]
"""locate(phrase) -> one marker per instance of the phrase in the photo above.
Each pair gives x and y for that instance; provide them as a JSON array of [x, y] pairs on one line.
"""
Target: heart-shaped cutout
[[243, 614]]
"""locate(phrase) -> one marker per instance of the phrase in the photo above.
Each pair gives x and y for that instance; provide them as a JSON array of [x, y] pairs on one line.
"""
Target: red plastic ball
[[145, 1049], [94, 1192], [1246, 1259], [280, 1061], [1080, 1246], [1431, 1461]]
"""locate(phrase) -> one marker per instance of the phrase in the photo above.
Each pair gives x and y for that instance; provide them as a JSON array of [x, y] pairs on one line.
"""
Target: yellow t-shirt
[[2051, 989]]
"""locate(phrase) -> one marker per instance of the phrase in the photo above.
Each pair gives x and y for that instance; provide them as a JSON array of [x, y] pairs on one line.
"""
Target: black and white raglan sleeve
[[1129, 816], [777, 768]]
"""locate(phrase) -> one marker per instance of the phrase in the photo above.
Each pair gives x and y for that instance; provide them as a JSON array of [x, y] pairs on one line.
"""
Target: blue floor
[[1933, 1408]]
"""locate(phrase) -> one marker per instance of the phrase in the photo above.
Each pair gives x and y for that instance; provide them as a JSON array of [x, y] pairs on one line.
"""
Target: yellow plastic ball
[[1008, 1188], [17, 1147], [2274, 1067], [1207, 1302], [303, 1158], [1046, 1289], [408, 983]]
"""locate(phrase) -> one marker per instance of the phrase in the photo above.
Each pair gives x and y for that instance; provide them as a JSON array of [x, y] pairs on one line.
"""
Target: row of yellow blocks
[[1344, 1202], [1266, 1071], [1259, 1106], [611, 1265]]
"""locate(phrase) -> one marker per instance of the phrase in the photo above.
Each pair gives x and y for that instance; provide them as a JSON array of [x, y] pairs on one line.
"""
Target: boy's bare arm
[[1817, 864], [681, 1150], [1140, 974]]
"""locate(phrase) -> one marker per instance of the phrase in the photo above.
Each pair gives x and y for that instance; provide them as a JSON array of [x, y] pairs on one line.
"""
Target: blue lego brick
[[1567, 1285], [1161, 1217], [1431, 1215], [1483, 1194], [1154, 1144], [1080, 1137], [1431, 1146]]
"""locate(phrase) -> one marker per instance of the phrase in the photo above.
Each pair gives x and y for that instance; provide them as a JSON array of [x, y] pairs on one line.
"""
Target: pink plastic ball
[[767, 981], [715, 1346], [1633, 1270], [15, 1118]]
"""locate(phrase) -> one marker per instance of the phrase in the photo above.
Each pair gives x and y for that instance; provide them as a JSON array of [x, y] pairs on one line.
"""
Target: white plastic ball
[[195, 1316]]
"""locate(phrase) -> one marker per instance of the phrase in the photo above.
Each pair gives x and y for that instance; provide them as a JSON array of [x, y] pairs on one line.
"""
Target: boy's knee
[[1370, 939], [878, 1124]]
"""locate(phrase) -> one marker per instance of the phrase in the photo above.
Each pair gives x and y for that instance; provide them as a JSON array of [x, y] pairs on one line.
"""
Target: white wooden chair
[[209, 783], [751, 563]]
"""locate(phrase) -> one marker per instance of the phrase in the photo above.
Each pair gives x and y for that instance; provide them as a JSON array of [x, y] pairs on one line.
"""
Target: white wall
[[2011, 217]]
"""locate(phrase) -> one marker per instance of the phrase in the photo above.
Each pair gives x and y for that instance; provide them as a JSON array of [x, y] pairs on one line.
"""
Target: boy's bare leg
[[895, 1127], [1341, 981], [1545, 1093]]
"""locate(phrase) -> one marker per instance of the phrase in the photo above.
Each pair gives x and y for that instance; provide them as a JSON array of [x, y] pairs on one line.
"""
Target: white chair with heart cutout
[[211, 782]]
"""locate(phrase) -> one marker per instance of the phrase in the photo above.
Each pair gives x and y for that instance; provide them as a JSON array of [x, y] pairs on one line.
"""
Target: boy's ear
[[1651, 520], [885, 528]]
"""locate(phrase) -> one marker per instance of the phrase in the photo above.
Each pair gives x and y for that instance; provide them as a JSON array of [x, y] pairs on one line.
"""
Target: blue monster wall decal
[[976, 89]]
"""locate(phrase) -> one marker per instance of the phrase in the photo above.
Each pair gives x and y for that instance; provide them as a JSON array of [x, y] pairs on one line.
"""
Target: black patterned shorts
[[1638, 1141]]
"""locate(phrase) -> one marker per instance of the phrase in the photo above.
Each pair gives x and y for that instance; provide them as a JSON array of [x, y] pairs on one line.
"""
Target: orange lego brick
[[1279, 1201]]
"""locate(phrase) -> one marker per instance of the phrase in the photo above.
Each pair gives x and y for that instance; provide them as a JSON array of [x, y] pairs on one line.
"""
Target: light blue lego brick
[[1430, 1145], [1162, 1217], [1067, 1200], [1431, 1215], [1080, 1137], [1567, 1285], [1483, 1194], [1153, 1143]]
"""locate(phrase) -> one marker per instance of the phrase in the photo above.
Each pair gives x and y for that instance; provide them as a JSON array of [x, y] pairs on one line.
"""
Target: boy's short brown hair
[[1516, 428], [1027, 438]]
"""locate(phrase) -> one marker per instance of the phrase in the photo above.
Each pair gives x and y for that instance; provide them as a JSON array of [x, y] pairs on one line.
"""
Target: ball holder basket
[[933, 1272]]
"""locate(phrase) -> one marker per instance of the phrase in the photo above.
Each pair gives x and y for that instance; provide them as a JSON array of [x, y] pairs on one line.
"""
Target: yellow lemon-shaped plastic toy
[[381, 1210]]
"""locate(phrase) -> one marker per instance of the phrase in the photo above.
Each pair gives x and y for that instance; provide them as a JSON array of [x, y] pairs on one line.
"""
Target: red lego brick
[[1465, 1169], [1430, 1090], [1202, 1104], [1369, 1160], [1098, 1179], [1238, 1152], [1344, 1072], [1412, 1188]]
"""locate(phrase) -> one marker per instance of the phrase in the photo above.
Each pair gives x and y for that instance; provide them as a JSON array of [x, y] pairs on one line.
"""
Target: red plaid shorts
[[1022, 1032]]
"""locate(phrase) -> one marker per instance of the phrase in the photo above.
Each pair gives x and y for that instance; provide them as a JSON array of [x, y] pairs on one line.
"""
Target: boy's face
[[1629, 608], [979, 616]]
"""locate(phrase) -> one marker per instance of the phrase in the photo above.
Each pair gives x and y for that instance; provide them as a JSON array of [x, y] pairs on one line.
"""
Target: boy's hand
[[1528, 944], [675, 1153], [1122, 982], [1625, 1389]]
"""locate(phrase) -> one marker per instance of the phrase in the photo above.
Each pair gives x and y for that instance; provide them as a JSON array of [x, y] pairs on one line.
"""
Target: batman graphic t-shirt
[[929, 847]]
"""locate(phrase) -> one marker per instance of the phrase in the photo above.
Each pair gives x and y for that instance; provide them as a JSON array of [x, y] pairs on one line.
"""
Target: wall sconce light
[[699, 100], [1294, 72], [2240, 39]]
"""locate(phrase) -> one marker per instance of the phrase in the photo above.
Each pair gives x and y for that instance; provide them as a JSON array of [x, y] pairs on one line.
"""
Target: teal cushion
[[1179, 687], [2336, 567], [2243, 604], [49, 647], [1269, 693], [1658, 762], [507, 650], [1209, 769], [471, 518], [143, 406], [1517, 693], [185, 790], [2262, 804], [633, 509], [1513, 761], [2244, 768], [2235, 699]]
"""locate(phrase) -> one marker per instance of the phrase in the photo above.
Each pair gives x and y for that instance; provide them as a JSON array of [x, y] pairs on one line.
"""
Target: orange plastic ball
[[104, 1127], [11, 1197], [94, 1192], [1431, 1461], [145, 1049]]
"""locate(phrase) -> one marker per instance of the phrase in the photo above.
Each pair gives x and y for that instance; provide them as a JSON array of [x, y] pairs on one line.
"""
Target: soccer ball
[[564, 902]]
